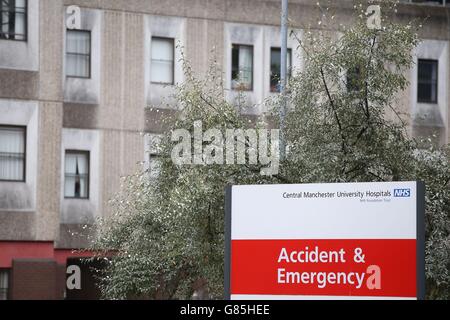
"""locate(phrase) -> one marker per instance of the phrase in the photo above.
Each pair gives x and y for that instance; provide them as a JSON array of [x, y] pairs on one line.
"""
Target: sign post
[[325, 241]]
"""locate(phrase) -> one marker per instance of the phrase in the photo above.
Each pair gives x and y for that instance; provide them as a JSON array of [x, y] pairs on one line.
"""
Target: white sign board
[[325, 241]]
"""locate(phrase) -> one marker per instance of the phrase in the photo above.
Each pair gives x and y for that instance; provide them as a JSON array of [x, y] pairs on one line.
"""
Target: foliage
[[168, 232]]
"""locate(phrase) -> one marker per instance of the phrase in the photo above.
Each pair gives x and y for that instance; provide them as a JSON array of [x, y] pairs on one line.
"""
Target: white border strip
[[269, 212], [293, 297]]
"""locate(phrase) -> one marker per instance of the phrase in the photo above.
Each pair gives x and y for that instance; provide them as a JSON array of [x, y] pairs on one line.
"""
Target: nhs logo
[[405, 193]]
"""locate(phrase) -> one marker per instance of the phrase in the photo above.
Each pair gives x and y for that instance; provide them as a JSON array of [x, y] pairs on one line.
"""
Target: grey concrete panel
[[74, 236], [80, 116], [17, 226], [19, 84]]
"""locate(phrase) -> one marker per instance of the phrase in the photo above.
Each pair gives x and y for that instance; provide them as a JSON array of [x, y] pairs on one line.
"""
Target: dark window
[[12, 153], [78, 54], [4, 284], [13, 19], [162, 68], [275, 68], [77, 175], [242, 67], [354, 79], [427, 81]]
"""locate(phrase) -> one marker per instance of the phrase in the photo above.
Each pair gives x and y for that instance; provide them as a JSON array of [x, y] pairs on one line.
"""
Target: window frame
[[172, 40], [289, 70], [88, 156], [80, 54], [436, 61], [8, 289], [24, 128], [253, 66], [25, 27]]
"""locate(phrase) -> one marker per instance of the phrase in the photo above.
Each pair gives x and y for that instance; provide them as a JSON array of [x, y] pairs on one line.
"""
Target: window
[[162, 68], [78, 54], [242, 67], [77, 175], [354, 79], [275, 68], [12, 153], [13, 20], [4, 284], [427, 81]]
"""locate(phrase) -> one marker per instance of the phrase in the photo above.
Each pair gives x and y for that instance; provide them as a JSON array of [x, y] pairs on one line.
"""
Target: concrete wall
[[81, 90], [49, 170], [81, 211], [160, 95], [123, 100], [52, 51], [262, 38], [21, 196], [272, 39], [50, 97], [122, 155], [251, 35], [76, 216], [431, 117]]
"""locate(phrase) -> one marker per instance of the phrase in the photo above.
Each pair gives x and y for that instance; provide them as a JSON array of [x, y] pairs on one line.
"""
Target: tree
[[168, 233]]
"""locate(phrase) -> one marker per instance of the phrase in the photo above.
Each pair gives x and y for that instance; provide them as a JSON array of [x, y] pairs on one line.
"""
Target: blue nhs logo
[[402, 193]]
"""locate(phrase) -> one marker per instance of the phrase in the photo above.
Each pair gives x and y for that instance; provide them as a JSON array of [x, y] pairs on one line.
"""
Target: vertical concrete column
[[122, 99], [51, 49], [49, 170], [205, 46]]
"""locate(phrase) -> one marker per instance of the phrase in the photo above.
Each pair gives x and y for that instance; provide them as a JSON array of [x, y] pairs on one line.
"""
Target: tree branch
[[217, 111], [376, 176], [366, 93], [333, 107]]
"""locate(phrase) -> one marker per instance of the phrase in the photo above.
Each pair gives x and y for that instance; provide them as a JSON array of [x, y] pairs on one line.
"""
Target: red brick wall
[[60, 281], [35, 280]]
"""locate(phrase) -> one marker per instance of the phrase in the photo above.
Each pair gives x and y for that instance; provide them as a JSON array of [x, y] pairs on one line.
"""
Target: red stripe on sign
[[383, 268]]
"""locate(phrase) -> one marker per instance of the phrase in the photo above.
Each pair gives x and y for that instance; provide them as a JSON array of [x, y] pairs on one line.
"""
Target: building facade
[[80, 105]]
